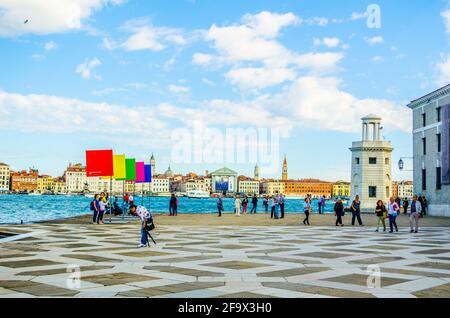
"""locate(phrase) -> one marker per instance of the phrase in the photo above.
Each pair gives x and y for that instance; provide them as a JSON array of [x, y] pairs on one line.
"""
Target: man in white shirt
[[416, 211], [144, 216]]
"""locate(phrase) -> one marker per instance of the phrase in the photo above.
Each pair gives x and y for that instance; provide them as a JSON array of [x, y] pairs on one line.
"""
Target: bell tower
[[284, 176]]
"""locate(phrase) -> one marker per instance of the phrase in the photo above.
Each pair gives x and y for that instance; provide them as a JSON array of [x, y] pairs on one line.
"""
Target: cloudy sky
[[123, 74]]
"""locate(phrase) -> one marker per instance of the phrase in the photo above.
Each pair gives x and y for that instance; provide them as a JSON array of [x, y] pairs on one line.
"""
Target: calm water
[[14, 208]]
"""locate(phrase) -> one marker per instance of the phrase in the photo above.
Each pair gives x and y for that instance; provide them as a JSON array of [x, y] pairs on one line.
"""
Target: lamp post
[[401, 163]]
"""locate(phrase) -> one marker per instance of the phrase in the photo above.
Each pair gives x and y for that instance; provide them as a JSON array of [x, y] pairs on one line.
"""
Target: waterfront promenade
[[207, 256]]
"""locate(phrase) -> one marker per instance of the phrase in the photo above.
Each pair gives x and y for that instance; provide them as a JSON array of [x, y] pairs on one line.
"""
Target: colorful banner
[[120, 169], [140, 172], [99, 163], [130, 169], [148, 173]]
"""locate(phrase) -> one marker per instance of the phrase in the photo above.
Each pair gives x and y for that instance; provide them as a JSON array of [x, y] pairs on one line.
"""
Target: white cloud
[[178, 89], [446, 16], [374, 40], [319, 21], [202, 59], [45, 17], [377, 59], [328, 42], [443, 70], [208, 82], [258, 78], [51, 45], [86, 69]]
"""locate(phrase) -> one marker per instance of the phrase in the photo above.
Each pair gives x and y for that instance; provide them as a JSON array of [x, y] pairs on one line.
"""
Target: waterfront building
[[24, 181], [431, 149], [271, 187], [153, 165], [248, 186], [405, 189], [395, 189], [76, 180], [169, 173], [341, 189], [285, 175], [44, 184], [313, 187], [58, 185], [371, 165], [224, 181], [160, 185], [5, 175]]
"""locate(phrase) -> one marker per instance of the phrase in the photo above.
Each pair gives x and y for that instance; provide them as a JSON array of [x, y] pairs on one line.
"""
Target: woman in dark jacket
[[339, 212], [381, 213]]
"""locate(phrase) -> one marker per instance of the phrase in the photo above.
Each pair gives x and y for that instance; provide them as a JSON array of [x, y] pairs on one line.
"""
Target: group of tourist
[[383, 212], [99, 206], [277, 203]]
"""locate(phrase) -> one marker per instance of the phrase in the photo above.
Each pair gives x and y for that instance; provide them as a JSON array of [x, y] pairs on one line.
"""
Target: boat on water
[[35, 194], [87, 195], [197, 194]]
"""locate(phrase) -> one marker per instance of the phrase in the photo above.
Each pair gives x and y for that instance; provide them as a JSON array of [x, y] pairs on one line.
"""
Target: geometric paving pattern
[[222, 261]]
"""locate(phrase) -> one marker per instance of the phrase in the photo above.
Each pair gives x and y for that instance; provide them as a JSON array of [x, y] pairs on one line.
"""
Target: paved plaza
[[222, 261]]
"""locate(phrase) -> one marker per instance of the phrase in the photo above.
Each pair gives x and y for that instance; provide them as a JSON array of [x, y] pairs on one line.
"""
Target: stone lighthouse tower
[[371, 165]]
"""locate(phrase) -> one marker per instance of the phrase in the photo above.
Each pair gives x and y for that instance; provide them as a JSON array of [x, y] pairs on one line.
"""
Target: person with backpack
[[380, 211], [144, 217], [356, 211], [393, 212], [220, 205], [95, 208], [172, 205], [339, 212]]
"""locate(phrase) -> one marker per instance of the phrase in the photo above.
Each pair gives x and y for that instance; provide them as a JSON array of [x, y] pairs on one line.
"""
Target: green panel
[[131, 169]]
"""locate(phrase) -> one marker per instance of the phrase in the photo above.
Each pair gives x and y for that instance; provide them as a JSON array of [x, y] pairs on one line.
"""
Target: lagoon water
[[14, 208]]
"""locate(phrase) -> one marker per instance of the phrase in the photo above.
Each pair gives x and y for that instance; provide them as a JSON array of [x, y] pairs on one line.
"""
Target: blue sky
[[122, 74]]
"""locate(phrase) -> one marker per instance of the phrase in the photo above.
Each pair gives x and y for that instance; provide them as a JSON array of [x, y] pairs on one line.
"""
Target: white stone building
[[371, 165], [405, 189], [75, 177], [5, 175], [248, 186], [271, 187]]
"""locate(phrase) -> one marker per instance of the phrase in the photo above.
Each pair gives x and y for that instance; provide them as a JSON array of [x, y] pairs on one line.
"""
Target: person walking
[[380, 211], [244, 205], [405, 206], [102, 203], [175, 211], [416, 211], [172, 205], [356, 211], [321, 205], [254, 204], [339, 212], [95, 208], [131, 200], [307, 211], [281, 203], [143, 215], [220, 205], [272, 214], [425, 206], [393, 212], [266, 203], [276, 203], [237, 206]]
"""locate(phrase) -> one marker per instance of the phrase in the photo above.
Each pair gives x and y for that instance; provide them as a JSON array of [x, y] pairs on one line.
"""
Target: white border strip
[[21, 236]]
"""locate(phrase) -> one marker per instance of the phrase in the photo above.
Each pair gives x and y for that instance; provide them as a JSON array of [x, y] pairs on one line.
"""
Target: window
[[438, 110], [438, 179], [424, 120], [424, 179], [357, 161], [372, 161], [386, 161], [372, 192], [388, 191], [439, 142], [424, 146]]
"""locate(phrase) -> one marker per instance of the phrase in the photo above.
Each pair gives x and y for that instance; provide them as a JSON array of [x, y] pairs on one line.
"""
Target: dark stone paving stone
[[442, 291], [144, 253], [294, 272], [29, 263], [297, 241], [284, 259], [75, 245], [434, 265], [106, 249], [274, 250], [184, 271], [13, 255], [433, 252], [236, 265], [316, 290], [361, 280], [437, 242], [245, 295], [413, 272], [10, 284], [169, 289], [92, 258], [324, 255], [58, 271], [376, 260], [37, 289], [232, 247], [117, 279], [441, 258], [193, 250], [184, 259], [385, 248]]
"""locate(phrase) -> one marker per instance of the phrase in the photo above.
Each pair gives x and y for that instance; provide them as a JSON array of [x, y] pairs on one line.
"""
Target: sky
[[127, 75]]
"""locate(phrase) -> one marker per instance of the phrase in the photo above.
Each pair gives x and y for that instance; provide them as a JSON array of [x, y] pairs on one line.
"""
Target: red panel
[[99, 163]]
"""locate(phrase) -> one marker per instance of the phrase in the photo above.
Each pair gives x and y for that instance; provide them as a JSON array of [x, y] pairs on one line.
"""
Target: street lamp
[[401, 163]]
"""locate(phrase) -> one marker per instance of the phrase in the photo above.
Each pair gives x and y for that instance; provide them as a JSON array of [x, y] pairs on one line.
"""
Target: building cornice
[[429, 97]]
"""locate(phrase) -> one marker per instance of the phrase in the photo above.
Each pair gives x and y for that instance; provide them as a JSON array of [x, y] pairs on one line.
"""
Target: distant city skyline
[[124, 74]]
